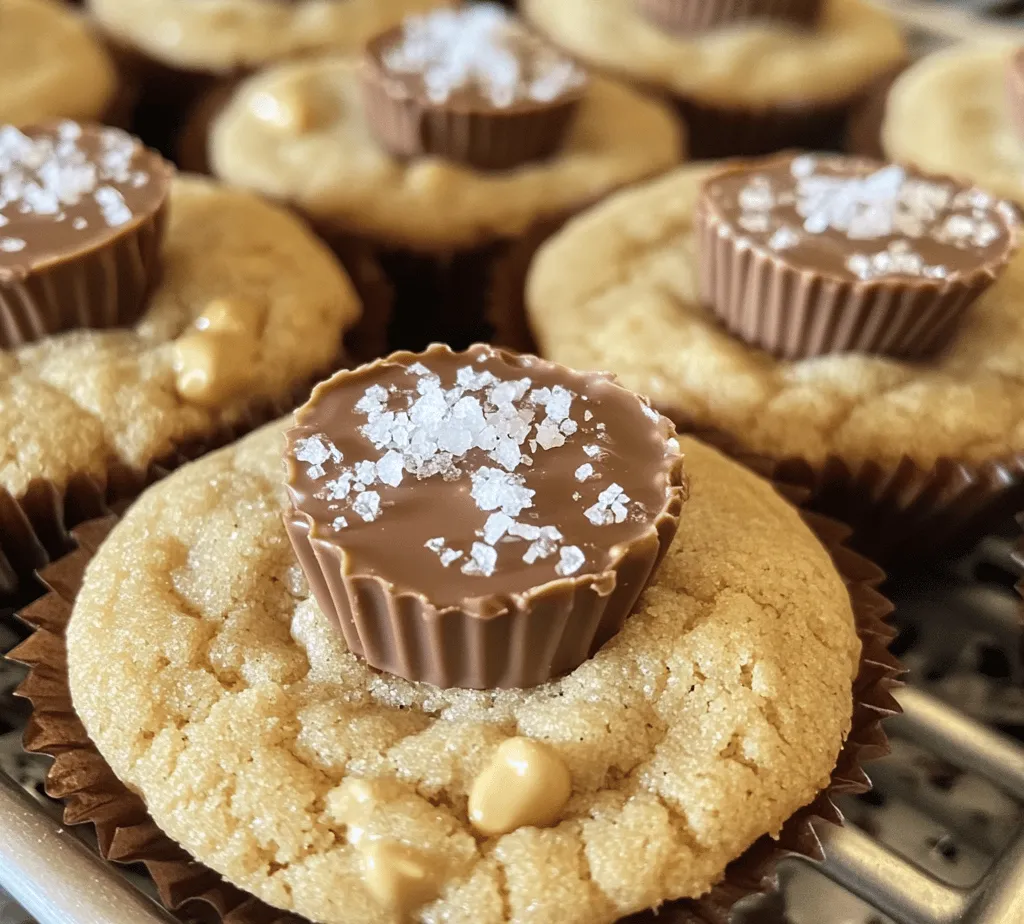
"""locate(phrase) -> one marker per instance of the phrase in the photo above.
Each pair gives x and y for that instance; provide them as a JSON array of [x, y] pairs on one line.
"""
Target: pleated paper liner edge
[[35, 526], [126, 834], [899, 515]]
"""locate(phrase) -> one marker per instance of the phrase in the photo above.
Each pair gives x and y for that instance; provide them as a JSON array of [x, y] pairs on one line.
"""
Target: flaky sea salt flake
[[584, 472], [390, 468], [571, 559], [482, 560], [367, 506], [497, 525]]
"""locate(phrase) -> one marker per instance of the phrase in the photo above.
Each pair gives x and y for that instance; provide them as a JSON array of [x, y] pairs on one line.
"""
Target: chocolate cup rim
[[981, 275], [675, 497], [120, 816], [168, 172], [684, 28], [374, 70]]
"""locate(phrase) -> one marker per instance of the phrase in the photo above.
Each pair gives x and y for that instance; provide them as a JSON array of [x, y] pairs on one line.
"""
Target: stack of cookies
[[436, 480]]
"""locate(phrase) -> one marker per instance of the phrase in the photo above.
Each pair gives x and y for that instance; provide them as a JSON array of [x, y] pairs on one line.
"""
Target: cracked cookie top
[[618, 289], [249, 307], [215, 687]]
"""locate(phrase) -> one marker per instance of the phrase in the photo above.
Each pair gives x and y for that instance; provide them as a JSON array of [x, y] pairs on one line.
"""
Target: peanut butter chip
[[284, 110], [213, 366], [216, 360], [232, 315], [399, 877], [526, 783]]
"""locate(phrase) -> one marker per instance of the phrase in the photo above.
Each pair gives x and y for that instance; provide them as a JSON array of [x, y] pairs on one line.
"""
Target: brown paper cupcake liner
[[900, 514], [1018, 557], [35, 526], [125, 833], [190, 144], [459, 297], [794, 312], [164, 96], [864, 127], [687, 16], [720, 131]]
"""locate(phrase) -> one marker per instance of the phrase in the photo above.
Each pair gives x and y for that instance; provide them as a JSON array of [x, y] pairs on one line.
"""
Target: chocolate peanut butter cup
[[479, 519], [472, 85], [806, 255], [82, 212], [687, 16]]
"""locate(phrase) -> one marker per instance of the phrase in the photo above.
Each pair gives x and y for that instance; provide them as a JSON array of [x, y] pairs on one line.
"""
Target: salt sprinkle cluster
[[509, 420], [45, 175], [884, 204], [484, 49]]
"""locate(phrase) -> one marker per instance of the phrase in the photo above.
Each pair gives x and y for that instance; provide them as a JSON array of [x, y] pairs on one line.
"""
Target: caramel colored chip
[[526, 783], [232, 315], [289, 113], [399, 877], [213, 365]]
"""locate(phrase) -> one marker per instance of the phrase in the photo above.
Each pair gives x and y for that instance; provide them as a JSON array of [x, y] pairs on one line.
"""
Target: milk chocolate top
[[857, 219], [477, 57], [68, 188], [478, 474]]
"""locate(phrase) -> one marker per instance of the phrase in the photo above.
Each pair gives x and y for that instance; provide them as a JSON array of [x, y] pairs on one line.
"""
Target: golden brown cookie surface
[[297, 132], [213, 685], [249, 306], [617, 290]]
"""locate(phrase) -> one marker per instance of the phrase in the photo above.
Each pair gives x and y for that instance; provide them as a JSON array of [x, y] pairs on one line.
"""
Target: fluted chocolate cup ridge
[[494, 139], [105, 287], [520, 641], [492, 640], [82, 218], [795, 310], [795, 313], [686, 16], [446, 99]]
